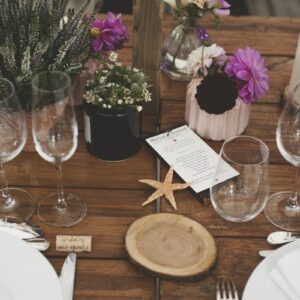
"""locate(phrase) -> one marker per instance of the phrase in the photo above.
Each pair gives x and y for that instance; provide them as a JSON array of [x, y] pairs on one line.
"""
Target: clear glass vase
[[175, 51]]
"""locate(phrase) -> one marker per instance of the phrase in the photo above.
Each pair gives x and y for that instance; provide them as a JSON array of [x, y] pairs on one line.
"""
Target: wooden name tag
[[73, 243]]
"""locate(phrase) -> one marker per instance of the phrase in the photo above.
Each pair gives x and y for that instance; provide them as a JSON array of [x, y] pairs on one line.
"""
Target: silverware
[[226, 290], [265, 253], [20, 228], [282, 237], [67, 276], [26, 231], [40, 244]]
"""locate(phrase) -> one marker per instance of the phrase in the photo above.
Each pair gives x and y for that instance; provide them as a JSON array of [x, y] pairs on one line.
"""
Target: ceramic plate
[[260, 286], [25, 274]]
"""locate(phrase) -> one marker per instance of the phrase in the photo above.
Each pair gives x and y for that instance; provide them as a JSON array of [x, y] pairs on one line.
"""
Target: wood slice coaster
[[170, 245]]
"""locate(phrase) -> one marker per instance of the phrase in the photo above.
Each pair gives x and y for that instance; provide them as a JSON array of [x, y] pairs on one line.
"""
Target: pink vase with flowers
[[218, 103]]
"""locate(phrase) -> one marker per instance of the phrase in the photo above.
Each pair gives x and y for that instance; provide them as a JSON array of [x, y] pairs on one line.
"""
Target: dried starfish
[[165, 188]]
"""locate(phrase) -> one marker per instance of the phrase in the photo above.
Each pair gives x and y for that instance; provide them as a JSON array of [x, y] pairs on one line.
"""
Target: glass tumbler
[[242, 197]]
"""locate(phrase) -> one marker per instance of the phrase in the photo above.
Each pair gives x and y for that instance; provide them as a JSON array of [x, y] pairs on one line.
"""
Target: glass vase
[[175, 51]]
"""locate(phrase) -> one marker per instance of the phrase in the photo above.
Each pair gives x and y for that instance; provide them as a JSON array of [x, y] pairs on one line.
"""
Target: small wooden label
[[73, 243]]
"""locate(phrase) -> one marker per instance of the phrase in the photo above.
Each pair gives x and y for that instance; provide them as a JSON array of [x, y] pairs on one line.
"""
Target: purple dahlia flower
[[110, 34], [247, 66], [221, 7]]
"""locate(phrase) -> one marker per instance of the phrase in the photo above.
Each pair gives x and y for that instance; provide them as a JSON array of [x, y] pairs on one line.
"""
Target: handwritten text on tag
[[73, 243]]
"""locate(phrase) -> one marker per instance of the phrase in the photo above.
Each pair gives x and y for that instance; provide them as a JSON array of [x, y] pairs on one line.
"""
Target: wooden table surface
[[114, 195]]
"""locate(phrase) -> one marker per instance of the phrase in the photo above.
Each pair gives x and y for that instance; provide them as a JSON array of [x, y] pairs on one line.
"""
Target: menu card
[[192, 159]]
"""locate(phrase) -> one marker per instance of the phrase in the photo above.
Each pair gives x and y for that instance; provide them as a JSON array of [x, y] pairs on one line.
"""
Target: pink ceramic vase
[[211, 126]]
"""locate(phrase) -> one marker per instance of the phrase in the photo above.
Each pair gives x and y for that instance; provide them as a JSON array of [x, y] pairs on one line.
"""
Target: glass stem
[[60, 190], [293, 200], [8, 201]]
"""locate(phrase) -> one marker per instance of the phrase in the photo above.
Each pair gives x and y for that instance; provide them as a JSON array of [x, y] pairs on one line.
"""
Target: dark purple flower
[[220, 7], [247, 66], [203, 35], [110, 34], [166, 66]]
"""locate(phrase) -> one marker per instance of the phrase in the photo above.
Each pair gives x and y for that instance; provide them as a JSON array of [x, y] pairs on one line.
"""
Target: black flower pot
[[112, 134]]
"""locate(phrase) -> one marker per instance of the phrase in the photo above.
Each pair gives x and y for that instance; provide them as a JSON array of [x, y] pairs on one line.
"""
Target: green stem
[[178, 48]]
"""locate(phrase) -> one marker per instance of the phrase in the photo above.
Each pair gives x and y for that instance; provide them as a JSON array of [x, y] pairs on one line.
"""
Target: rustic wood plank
[[276, 36], [237, 258], [82, 170], [109, 214], [266, 34], [281, 178], [279, 67], [109, 280], [262, 124], [147, 22]]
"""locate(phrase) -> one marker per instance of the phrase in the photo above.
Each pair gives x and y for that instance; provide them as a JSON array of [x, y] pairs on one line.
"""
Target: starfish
[[165, 188]]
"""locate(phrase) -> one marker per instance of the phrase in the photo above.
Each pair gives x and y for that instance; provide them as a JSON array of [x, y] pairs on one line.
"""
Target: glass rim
[[12, 89], [34, 85], [264, 158]]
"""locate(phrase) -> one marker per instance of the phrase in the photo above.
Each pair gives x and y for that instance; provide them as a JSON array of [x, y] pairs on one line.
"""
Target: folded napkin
[[286, 274]]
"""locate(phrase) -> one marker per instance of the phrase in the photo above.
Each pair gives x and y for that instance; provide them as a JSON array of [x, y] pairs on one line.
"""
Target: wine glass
[[241, 196], [55, 132], [283, 208], [14, 202]]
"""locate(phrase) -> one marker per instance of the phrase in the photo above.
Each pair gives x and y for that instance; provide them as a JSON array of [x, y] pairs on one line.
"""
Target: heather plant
[[35, 36]]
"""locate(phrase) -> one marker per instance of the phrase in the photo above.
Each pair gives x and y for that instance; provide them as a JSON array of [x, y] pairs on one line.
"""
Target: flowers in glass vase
[[34, 37], [115, 85], [188, 36]]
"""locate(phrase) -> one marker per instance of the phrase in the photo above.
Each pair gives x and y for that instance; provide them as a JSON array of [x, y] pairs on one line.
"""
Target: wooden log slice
[[171, 245]]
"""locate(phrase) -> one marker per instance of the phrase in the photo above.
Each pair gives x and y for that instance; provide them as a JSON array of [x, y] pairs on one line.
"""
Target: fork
[[226, 290]]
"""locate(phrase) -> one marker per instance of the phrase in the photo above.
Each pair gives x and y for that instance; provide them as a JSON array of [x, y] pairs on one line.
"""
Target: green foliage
[[117, 85], [33, 38]]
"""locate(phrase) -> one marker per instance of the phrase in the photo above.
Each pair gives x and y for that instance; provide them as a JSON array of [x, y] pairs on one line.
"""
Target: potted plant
[[218, 98], [36, 36], [114, 99]]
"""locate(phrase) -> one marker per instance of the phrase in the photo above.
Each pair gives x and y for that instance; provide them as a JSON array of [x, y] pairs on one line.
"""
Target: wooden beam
[[147, 28]]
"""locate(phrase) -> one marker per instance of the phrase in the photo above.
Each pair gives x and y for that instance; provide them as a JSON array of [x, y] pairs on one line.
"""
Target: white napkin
[[286, 274]]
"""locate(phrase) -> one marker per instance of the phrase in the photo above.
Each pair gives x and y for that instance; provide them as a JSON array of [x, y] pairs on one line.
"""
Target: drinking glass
[[55, 132], [283, 208], [14, 202], [242, 197]]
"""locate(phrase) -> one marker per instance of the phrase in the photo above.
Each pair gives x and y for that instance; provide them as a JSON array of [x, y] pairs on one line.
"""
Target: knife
[[265, 253], [67, 276]]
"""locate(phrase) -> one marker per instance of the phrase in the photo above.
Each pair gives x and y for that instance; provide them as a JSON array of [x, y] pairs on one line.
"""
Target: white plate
[[25, 274], [260, 286]]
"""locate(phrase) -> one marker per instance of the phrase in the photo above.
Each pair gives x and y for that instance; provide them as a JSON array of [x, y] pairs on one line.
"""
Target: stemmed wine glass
[[283, 208], [14, 202], [55, 132], [240, 186]]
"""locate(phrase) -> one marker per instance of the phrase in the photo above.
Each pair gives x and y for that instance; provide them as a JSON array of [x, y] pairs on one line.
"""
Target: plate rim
[[266, 262], [19, 244]]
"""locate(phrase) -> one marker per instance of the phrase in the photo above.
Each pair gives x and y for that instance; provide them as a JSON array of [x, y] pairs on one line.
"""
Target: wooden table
[[114, 195]]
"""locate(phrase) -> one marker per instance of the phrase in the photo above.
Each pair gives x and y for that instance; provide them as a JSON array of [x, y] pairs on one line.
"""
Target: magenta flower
[[247, 66], [220, 7], [110, 34]]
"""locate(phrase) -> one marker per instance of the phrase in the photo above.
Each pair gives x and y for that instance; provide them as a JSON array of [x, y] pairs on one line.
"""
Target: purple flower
[[220, 7], [247, 66], [203, 35], [110, 34]]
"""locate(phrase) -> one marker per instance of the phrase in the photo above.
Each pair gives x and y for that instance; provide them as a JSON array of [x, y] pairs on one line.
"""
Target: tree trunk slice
[[171, 245]]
